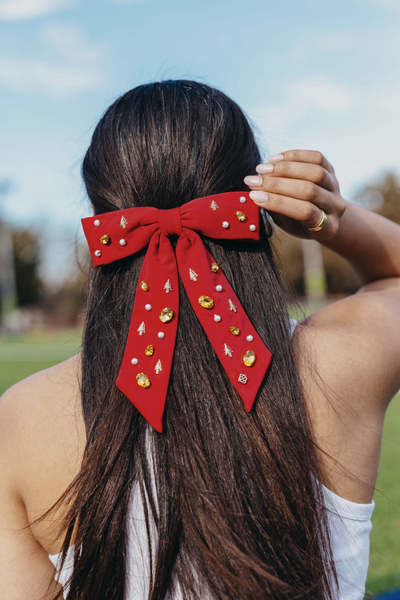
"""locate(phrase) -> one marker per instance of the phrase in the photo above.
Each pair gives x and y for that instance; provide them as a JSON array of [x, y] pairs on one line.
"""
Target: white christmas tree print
[[168, 287], [142, 328], [158, 367], [228, 351], [232, 306], [214, 205], [193, 275], [123, 222]]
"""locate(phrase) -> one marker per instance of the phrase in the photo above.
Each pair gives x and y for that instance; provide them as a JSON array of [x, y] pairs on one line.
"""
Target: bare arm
[[25, 569], [370, 242], [353, 344], [42, 438]]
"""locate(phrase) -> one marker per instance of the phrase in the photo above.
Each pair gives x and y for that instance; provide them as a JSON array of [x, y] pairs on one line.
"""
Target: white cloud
[[32, 75], [390, 4], [297, 100], [16, 10], [338, 41], [69, 43], [65, 64], [322, 95]]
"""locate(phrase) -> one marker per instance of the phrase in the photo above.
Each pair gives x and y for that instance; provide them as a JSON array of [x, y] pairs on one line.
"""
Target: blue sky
[[318, 75]]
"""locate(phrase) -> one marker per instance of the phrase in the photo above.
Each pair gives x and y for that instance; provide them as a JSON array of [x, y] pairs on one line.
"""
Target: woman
[[224, 503]]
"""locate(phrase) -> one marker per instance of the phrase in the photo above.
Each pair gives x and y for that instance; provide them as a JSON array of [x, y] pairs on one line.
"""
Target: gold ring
[[321, 224]]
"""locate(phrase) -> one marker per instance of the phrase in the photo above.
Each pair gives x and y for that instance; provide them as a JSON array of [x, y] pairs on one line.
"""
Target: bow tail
[[147, 361], [238, 346]]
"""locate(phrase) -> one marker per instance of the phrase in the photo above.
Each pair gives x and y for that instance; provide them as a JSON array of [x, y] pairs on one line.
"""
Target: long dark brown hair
[[236, 510]]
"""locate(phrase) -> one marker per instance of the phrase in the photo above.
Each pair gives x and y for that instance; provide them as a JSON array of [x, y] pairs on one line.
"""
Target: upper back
[[352, 345]]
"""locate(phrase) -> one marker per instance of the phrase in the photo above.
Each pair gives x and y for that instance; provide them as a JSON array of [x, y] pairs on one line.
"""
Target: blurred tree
[[340, 275], [288, 253], [65, 306], [383, 197], [8, 297], [27, 259]]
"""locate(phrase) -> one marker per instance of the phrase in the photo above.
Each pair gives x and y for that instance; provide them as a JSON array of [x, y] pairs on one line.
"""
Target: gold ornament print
[[249, 358], [234, 330], [206, 302], [142, 380], [166, 315], [145, 286], [240, 215], [149, 351], [214, 267], [105, 239]]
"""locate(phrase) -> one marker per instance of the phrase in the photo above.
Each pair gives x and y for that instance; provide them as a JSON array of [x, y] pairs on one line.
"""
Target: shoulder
[[348, 354], [42, 436], [355, 343]]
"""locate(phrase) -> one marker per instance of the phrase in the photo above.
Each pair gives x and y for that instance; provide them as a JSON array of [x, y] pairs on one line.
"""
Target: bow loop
[[147, 362]]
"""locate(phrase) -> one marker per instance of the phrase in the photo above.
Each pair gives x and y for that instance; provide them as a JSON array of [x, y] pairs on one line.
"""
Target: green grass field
[[33, 352], [384, 569], [21, 357]]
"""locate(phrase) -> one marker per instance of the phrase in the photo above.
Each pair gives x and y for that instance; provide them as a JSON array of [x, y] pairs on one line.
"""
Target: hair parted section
[[231, 492]]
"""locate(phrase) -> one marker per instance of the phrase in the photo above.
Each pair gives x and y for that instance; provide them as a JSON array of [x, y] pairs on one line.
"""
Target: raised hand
[[295, 187]]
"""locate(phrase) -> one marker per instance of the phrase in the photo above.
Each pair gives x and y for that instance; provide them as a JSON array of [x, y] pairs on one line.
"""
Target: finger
[[294, 170], [306, 213], [293, 188], [304, 156]]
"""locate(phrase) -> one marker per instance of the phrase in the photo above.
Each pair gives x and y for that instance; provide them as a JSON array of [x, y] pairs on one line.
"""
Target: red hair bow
[[147, 362]]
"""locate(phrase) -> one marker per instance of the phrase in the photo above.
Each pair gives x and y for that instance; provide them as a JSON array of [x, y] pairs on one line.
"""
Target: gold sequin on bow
[[206, 302], [249, 358], [145, 286], [166, 315], [143, 380], [149, 351], [105, 239], [214, 267], [234, 330]]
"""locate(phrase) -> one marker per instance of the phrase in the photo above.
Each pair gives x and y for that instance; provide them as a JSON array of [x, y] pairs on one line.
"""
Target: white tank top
[[349, 526]]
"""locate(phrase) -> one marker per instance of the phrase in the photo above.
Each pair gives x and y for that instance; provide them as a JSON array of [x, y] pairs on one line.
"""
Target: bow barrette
[[147, 361]]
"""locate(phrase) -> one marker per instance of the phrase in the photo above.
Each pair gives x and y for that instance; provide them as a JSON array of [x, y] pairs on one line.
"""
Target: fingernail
[[263, 169], [275, 158], [258, 196], [252, 181]]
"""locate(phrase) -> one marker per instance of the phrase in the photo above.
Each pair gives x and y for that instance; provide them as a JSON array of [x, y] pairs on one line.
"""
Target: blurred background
[[313, 75]]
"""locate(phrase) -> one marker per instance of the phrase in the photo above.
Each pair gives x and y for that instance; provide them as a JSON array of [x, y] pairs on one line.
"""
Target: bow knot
[[147, 362], [170, 221]]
